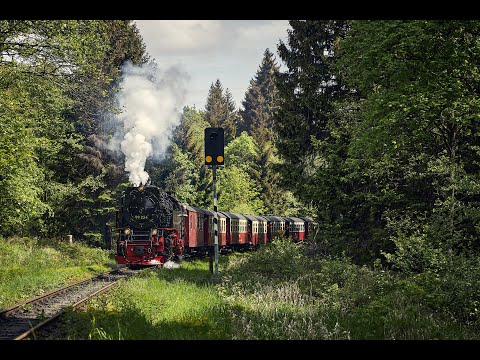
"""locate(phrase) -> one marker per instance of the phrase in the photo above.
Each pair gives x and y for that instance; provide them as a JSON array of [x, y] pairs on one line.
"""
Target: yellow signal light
[[126, 231], [208, 158], [154, 231], [219, 158]]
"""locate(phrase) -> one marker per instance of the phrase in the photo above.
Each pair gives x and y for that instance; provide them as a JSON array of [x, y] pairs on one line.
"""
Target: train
[[152, 227]]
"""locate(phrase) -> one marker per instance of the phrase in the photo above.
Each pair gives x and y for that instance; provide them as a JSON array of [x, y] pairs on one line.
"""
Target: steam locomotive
[[152, 226]]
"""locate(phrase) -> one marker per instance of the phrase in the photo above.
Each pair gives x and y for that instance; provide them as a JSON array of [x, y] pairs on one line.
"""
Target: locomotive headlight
[[154, 231], [126, 231]]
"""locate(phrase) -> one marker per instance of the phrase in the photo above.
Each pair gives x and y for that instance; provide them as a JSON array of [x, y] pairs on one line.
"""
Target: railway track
[[24, 319]]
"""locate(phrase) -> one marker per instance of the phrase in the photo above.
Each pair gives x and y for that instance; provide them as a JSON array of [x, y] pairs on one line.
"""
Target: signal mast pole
[[215, 220], [214, 155]]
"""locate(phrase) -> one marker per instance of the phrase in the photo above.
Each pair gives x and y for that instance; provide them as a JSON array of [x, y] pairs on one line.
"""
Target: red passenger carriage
[[275, 227], [237, 232], [295, 228], [209, 231]]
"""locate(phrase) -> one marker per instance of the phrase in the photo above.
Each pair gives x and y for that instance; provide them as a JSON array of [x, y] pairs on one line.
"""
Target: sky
[[207, 50]]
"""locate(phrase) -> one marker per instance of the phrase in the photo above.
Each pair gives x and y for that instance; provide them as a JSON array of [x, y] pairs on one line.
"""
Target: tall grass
[[280, 293], [165, 304], [283, 292], [30, 267]]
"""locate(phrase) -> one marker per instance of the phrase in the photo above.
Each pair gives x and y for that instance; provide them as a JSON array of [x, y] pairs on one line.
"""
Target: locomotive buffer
[[214, 156]]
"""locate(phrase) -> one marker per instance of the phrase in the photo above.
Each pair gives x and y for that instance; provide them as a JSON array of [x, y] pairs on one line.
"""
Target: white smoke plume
[[151, 102]]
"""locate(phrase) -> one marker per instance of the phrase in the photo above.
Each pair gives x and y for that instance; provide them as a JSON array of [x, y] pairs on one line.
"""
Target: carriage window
[[191, 222]]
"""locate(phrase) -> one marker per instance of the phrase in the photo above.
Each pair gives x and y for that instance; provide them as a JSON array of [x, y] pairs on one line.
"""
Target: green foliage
[[377, 127], [416, 138], [237, 193], [220, 110], [167, 304], [57, 79], [182, 177], [259, 117], [280, 292], [183, 171], [21, 177], [238, 189], [261, 99], [31, 266], [279, 251]]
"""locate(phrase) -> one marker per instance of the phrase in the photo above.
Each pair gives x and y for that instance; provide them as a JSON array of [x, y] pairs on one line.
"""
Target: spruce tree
[[307, 92], [221, 110], [215, 109], [260, 102], [260, 106]]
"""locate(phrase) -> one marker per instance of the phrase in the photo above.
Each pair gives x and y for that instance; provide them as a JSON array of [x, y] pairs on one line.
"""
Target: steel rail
[[74, 306], [7, 312]]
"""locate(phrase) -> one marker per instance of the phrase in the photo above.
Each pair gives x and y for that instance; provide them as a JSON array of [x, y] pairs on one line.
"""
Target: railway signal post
[[214, 156]]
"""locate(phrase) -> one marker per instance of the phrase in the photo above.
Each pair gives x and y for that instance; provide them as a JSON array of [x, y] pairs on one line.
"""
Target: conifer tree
[[261, 99], [221, 110], [260, 106]]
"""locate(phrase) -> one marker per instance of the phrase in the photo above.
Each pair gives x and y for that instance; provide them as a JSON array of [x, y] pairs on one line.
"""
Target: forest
[[373, 130]]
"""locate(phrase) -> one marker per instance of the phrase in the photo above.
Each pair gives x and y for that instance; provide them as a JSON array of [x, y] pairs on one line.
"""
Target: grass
[[322, 299], [165, 304], [277, 293], [30, 267]]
